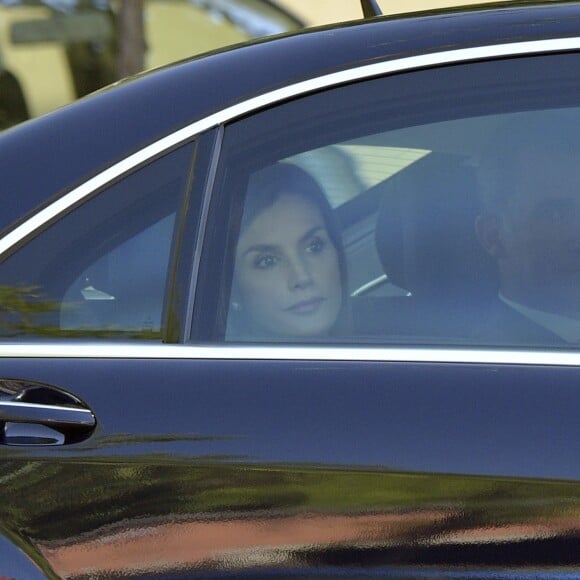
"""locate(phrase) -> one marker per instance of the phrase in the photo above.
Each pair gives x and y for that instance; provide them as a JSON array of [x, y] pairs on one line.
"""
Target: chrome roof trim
[[363, 353], [275, 96]]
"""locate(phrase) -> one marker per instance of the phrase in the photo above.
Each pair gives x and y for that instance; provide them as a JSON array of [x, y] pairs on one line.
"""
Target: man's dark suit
[[505, 326]]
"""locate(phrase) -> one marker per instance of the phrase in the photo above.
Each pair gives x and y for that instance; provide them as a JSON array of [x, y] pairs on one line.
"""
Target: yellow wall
[[326, 11]]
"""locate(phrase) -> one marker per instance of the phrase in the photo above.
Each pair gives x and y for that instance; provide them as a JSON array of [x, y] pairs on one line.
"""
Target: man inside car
[[530, 224]]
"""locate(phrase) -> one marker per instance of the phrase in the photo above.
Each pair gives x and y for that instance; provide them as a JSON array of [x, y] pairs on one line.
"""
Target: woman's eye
[[265, 262], [316, 245]]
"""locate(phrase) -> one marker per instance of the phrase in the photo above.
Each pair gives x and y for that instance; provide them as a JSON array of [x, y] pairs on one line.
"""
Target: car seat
[[425, 238]]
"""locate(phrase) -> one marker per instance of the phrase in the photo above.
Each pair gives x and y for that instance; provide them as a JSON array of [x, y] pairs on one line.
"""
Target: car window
[[445, 220], [101, 270]]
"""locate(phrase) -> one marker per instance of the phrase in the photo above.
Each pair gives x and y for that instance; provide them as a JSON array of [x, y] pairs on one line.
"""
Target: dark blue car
[[308, 307]]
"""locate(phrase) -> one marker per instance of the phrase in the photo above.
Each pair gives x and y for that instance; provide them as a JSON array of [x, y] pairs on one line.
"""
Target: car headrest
[[425, 234]]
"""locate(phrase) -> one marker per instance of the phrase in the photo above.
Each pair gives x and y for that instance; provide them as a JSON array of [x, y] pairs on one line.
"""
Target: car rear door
[[413, 387]]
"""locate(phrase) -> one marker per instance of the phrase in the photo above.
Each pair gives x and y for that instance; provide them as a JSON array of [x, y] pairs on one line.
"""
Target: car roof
[[45, 156]]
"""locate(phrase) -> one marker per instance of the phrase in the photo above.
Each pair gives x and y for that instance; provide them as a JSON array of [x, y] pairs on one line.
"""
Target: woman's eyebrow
[[260, 248], [276, 247], [312, 231]]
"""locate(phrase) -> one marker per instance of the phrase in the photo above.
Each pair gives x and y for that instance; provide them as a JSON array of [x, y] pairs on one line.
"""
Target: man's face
[[539, 234]]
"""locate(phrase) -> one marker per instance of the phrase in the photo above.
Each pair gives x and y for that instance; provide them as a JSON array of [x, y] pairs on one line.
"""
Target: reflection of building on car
[[54, 51]]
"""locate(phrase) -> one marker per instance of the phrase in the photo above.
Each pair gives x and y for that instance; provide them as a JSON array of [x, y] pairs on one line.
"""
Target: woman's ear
[[488, 228]]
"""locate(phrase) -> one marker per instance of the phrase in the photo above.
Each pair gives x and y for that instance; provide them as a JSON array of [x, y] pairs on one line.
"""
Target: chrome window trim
[[378, 281], [410, 354], [230, 113]]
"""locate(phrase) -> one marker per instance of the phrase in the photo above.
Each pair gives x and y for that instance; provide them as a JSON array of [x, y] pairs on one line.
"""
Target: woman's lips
[[306, 306]]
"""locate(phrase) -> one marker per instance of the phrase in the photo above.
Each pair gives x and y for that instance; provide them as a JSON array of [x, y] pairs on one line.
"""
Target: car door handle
[[33, 413], [50, 415]]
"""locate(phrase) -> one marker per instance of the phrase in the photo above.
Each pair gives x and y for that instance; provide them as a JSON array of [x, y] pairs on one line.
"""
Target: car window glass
[[101, 270], [399, 223]]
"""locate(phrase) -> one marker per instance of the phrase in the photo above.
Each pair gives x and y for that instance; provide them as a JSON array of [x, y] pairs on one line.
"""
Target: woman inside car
[[290, 272]]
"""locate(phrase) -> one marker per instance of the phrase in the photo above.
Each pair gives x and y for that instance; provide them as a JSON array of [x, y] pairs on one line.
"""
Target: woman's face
[[287, 275]]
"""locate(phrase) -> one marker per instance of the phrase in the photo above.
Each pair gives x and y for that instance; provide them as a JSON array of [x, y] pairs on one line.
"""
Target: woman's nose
[[300, 275]]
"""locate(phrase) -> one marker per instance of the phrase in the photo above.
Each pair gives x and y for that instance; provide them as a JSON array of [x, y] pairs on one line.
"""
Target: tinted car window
[[101, 270], [456, 212]]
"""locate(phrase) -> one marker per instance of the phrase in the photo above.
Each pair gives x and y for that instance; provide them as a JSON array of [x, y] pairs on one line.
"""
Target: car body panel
[[249, 467]]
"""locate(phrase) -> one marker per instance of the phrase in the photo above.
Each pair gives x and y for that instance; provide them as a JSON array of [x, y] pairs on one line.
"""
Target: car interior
[[417, 272], [426, 241]]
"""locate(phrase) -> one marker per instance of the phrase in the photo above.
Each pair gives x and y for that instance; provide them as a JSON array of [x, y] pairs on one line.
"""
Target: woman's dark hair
[[267, 186]]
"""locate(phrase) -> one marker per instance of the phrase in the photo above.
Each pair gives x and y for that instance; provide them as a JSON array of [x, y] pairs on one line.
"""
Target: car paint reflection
[[212, 516]]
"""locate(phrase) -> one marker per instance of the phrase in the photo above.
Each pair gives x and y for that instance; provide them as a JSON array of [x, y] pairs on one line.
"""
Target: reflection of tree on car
[[26, 311], [395, 510]]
